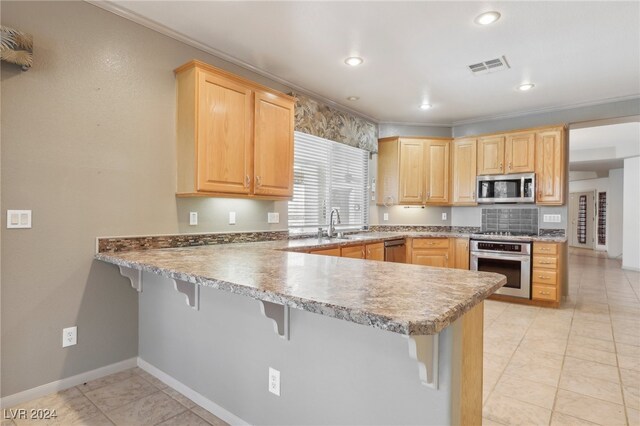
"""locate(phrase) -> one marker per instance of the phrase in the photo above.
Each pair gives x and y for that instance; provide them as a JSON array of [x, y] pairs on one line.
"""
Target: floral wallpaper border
[[321, 120]]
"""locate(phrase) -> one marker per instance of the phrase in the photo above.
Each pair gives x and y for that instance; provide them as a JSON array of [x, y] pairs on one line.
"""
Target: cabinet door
[[464, 171], [437, 173], [273, 145], [374, 251], [223, 135], [491, 155], [461, 250], [430, 257], [411, 171], [550, 167], [356, 252], [520, 152], [328, 252]]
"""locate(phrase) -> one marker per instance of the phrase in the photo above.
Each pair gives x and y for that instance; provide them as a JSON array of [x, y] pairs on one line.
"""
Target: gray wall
[[88, 143], [331, 371], [395, 129]]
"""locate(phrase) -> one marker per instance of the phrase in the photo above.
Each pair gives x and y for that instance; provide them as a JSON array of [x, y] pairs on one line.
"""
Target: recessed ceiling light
[[487, 18], [353, 98], [425, 106], [526, 86], [354, 61]]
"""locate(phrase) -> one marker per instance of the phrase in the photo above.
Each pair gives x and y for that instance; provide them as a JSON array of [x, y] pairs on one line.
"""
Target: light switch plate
[[274, 381], [444, 216], [385, 216], [273, 217], [552, 218], [193, 218], [19, 219], [232, 218]]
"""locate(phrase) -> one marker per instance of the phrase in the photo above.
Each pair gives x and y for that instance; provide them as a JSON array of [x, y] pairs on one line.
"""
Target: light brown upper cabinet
[[413, 171], [491, 155], [235, 137], [550, 166], [463, 173], [520, 152], [437, 171]]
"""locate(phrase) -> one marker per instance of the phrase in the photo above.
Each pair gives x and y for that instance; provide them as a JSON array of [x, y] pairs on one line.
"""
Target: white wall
[[631, 209], [614, 213]]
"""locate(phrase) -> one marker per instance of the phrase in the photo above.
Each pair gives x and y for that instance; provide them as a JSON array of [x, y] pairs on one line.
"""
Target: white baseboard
[[199, 399], [69, 382], [631, 268]]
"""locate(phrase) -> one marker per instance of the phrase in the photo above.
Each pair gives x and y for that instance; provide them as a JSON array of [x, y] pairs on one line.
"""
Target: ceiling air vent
[[492, 65]]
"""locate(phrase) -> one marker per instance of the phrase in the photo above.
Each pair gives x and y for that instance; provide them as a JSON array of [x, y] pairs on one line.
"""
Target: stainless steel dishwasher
[[395, 251]]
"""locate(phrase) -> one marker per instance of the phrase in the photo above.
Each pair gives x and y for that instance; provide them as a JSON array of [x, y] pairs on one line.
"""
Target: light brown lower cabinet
[[546, 275], [430, 252], [328, 252], [374, 251], [461, 253], [355, 252]]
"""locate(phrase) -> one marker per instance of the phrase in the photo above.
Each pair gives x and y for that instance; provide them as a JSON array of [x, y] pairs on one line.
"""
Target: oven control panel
[[501, 247]]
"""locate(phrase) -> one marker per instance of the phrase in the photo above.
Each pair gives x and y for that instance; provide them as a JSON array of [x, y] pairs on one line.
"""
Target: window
[[328, 175]]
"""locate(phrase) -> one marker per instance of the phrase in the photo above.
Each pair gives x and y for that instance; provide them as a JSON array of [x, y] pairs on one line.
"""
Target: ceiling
[[576, 53]]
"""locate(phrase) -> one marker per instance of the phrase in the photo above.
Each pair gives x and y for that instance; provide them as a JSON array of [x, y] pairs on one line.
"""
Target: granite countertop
[[401, 298]]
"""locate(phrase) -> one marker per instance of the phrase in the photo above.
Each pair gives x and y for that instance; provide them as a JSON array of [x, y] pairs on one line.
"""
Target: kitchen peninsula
[[422, 334]]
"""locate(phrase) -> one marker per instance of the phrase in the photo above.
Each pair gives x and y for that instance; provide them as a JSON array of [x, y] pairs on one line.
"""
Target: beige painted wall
[[88, 144]]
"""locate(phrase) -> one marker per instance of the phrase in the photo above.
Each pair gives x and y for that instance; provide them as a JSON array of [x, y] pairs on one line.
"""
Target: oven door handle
[[501, 257]]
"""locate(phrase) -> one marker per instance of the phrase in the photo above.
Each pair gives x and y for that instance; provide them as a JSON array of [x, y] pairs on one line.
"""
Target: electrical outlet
[[385, 216], [444, 216], [232, 218], [19, 219], [274, 381], [273, 217], [193, 218], [69, 336]]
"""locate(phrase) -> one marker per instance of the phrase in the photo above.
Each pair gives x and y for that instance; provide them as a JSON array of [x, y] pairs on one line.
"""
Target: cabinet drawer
[[541, 276], [356, 252], [431, 243], [545, 262], [545, 248], [544, 292]]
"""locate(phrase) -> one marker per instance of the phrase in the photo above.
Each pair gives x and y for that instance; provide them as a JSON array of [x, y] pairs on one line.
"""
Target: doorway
[[582, 212]]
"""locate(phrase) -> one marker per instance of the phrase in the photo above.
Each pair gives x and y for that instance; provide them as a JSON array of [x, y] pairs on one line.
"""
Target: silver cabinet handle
[[247, 181], [542, 277], [501, 164], [428, 195], [509, 165], [258, 181]]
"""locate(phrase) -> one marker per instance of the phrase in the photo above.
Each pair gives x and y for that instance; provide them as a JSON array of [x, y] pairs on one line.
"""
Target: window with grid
[[328, 175]]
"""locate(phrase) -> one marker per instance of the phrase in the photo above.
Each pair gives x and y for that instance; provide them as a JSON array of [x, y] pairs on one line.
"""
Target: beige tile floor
[[129, 398], [577, 365]]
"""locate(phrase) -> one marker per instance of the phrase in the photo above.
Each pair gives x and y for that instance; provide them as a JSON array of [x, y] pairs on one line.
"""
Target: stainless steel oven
[[509, 258]]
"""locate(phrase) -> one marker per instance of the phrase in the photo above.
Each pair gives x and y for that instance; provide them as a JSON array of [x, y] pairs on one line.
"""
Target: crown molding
[[164, 30], [554, 108]]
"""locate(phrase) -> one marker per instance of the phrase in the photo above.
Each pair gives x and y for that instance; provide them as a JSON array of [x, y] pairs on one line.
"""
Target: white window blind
[[328, 175]]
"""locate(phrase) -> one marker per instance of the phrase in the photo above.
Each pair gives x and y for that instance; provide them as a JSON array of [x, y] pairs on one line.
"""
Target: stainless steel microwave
[[516, 188]]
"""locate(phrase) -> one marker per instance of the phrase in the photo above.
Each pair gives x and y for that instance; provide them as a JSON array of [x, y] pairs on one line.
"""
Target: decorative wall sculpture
[[321, 120], [16, 47]]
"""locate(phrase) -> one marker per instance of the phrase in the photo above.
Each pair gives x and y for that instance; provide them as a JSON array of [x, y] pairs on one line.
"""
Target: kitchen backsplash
[[510, 220]]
